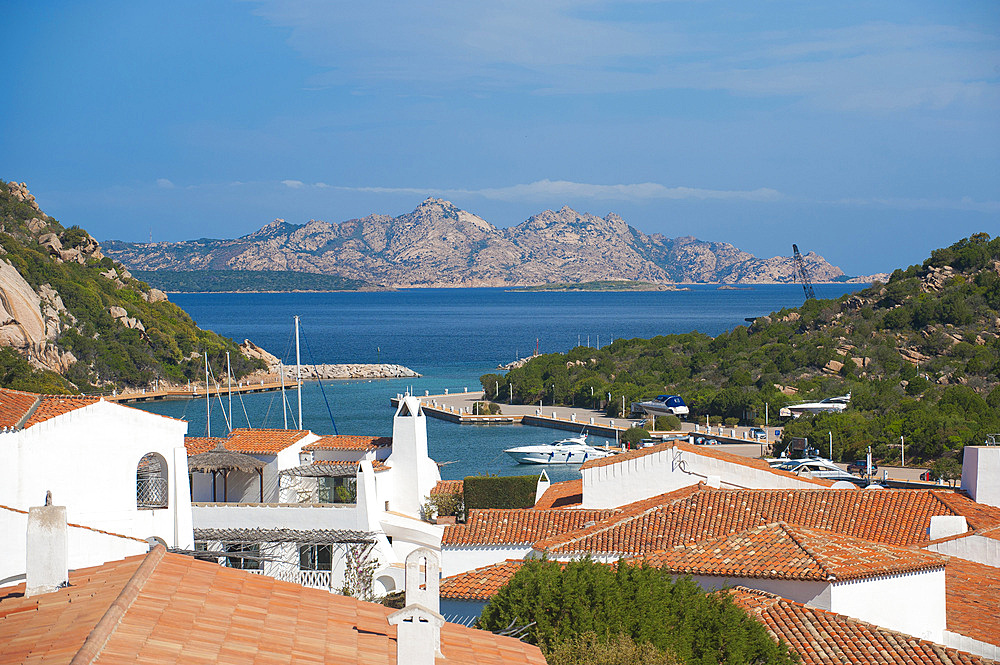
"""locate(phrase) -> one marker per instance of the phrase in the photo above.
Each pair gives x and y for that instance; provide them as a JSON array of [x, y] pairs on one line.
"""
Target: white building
[[120, 472], [316, 506]]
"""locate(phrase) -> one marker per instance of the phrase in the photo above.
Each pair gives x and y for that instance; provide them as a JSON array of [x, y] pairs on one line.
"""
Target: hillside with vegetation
[[75, 320], [920, 355], [246, 281]]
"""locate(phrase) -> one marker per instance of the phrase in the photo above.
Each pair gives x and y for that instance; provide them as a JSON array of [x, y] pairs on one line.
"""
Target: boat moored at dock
[[574, 450]]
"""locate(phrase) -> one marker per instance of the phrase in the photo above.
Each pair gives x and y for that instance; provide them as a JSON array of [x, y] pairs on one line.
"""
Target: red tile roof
[[516, 526], [973, 600], [562, 495], [349, 442], [169, 608], [202, 444], [823, 637], [250, 441], [480, 583], [15, 405], [783, 551], [714, 453], [892, 517], [448, 487]]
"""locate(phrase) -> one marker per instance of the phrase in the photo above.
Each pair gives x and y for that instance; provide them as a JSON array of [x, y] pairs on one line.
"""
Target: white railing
[[316, 579]]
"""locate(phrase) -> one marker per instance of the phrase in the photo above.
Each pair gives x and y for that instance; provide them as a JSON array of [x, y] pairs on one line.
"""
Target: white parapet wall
[[972, 547], [637, 477], [455, 560]]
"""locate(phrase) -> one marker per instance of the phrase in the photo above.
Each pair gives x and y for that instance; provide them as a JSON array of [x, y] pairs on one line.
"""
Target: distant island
[[442, 246], [604, 285], [247, 281]]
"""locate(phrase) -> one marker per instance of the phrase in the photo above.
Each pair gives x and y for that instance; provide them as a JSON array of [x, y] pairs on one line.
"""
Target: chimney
[[981, 473], [47, 551], [418, 632]]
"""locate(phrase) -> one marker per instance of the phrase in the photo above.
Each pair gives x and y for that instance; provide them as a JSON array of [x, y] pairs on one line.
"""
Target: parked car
[[860, 466], [758, 433], [926, 475]]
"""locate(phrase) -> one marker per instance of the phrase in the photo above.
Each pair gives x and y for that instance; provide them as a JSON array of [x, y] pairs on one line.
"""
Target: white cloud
[[293, 184], [163, 183], [564, 190]]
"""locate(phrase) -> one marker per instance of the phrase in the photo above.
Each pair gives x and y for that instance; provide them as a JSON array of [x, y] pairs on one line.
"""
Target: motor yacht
[[574, 450]]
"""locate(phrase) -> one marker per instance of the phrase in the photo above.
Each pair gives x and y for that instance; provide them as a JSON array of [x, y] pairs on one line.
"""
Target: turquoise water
[[450, 336]]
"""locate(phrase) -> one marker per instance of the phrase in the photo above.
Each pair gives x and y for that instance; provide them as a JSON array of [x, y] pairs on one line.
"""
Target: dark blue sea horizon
[[451, 337]]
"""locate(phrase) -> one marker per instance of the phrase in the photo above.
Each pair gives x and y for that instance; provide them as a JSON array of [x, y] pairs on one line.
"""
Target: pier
[[195, 392], [461, 408]]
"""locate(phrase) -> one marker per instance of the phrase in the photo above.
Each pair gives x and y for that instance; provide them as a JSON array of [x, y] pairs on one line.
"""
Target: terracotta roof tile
[[201, 444], [562, 495], [973, 600], [349, 442], [821, 637], [448, 487], [714, 453], [52, 406], [480, 583], [183, 610], [14, 405], [250, 441], [782, 551], [892, 517], [517, 525]]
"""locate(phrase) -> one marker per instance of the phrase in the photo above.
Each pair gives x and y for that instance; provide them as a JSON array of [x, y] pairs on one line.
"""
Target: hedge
[[500, 491]]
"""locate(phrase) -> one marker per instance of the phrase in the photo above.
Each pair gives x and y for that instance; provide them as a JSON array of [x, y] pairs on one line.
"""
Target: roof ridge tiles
[[818, 559], [111, 619]]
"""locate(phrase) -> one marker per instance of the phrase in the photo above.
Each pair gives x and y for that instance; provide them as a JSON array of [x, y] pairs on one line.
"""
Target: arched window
[[151, 482]]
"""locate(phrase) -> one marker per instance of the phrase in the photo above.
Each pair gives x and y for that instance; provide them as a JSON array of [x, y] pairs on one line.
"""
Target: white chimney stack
[[981, 474], [47, 551], [418, 625]]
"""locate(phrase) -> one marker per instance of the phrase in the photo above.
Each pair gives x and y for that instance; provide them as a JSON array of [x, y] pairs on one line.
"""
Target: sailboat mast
[[208, 402], [298, 369], [284, 404], [229, 373]]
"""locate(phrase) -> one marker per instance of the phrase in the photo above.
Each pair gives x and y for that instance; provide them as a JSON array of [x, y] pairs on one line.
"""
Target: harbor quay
[[460, 407]]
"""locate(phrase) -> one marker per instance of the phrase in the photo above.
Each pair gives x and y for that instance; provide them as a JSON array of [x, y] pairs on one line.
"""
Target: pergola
[[222, 461]]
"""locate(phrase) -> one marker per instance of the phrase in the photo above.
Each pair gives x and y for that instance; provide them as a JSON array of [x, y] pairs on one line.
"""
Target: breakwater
[[351, 371]]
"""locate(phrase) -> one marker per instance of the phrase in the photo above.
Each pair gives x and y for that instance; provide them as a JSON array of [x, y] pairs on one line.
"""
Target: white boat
[[815, 467], [828, 405], [573, 450], [664, 405]]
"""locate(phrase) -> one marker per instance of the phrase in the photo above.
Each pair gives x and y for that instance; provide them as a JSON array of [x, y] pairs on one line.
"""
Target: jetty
[[461, 408], [258, 383]]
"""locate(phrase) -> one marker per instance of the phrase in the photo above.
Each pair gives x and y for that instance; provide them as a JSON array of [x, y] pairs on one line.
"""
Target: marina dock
[[461, 408], [195, 392]]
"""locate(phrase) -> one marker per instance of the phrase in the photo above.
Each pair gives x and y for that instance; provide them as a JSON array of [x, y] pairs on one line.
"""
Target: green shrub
[[500, 491]]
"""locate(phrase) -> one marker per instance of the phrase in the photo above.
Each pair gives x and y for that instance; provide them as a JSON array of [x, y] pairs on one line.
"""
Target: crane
[[803, 272]]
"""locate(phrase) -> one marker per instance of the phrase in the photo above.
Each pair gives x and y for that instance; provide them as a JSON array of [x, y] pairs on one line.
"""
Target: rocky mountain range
[[441, 245]]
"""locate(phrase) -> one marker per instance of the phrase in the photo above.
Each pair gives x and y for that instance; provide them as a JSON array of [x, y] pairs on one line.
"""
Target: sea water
[[451, 337]]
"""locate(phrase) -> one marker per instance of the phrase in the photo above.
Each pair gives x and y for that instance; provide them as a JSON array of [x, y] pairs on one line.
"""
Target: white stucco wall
[[88, 459], [912, 603], [87, 547], [456, 560], [981, 473], [626, 481], [971, 548]]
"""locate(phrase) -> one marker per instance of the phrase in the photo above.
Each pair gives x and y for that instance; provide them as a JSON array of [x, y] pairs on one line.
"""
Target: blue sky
[[867, 132]]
